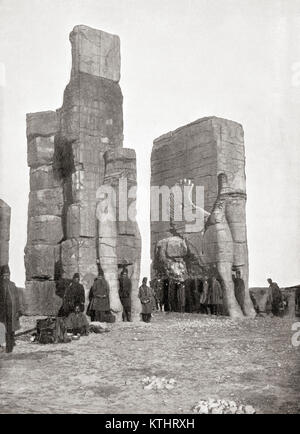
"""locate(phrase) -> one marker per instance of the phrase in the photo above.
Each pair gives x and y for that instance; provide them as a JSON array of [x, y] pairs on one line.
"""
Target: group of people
[[73, 303], [195, 295]]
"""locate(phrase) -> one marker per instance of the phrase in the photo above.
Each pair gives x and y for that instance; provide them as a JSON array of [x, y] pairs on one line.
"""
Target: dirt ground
[[251, 362]]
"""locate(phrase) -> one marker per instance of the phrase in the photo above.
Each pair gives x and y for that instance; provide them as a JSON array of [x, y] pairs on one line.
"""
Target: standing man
[[275, 297], [10, 311], [159, 295], [99, 307], [61, 288], [181, 296], [145, 296], [74, 296], [203, 295], [215, 296], [165, 288], [239, 290], [125, 288]]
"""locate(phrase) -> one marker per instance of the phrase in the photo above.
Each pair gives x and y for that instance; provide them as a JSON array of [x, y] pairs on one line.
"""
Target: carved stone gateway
[[209, 153], [71, 153]]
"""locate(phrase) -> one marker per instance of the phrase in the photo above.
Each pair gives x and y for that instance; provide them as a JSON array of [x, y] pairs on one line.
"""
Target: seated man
[[77, 322]]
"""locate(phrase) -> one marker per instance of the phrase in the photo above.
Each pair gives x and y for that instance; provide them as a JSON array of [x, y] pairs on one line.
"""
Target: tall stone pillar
[[91, 122], [66, 152], [120, 172], [5, 213], [44, 227]]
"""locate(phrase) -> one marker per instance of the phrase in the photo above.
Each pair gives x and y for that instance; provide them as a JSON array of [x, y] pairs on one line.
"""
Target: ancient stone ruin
[[71, 153], [5, 214], [210, 153]]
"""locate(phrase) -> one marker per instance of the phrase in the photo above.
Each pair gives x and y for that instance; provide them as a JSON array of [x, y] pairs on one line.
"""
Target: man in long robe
[[99, 307], [61, 287], [74, 296], [215, 296], [125, 289], [158, 293], [203, 296], [10, 310], [239, 290], [276, 298], [181, 296], [145, 296]]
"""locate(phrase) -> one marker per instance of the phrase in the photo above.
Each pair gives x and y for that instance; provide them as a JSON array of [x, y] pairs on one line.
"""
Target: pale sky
[[181, 60]]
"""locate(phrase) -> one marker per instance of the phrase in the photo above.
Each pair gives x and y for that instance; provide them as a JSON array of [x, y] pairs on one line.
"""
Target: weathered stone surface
[[41, 124], [70, 155], [43, 177], [210, 153], [45, 229], [93, 117], [39, 298], [78, 255], [121, 162], [81, 220], [107, 252], [5, 214], [40, 151], [48, 201], [40, 260], [95, 52]]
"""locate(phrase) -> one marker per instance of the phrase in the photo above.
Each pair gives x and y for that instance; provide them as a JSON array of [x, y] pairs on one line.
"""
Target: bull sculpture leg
[[225, 273], [236, 218]]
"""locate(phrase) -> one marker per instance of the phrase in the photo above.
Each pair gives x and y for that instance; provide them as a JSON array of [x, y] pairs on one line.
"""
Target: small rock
[[249, 409]]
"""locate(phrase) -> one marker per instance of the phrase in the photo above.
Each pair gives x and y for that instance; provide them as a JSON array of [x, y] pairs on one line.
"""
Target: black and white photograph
[[150, 209]]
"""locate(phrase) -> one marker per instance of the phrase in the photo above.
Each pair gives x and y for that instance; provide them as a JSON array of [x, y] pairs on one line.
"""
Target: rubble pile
[[158, 383], [221, 406]]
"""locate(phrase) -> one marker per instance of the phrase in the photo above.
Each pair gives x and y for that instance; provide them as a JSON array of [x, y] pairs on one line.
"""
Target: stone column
[[5, 213], [91, 122]]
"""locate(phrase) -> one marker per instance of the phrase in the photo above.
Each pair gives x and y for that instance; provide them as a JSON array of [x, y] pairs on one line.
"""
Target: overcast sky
[[181, 60]]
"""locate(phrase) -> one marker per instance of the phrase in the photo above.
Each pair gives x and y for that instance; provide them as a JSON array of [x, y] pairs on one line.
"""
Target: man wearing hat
[[99, 307], [145, 296], [9, 307], [125, 288], [74, 296]]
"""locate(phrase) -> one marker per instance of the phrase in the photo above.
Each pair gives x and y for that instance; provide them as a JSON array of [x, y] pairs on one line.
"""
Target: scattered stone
[[158, 383], [217, 406]]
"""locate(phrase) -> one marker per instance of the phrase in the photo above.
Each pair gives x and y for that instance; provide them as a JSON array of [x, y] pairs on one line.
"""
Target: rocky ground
[[179, 363]]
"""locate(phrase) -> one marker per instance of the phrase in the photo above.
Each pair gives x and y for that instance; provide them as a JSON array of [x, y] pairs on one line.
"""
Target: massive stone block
[[40, 151], [48, 201], [40, 261], [44, 177], [39, 298], [95, 52], [78, 255], [41, 124], [5, 214], [207, 153], [92, 116], [81, 220], [45, 229]]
